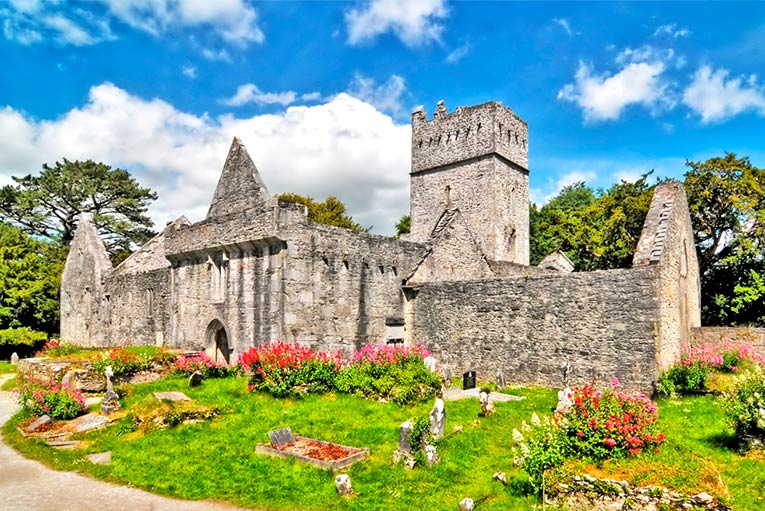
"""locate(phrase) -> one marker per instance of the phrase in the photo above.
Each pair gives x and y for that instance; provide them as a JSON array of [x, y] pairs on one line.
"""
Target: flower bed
[[52, 399]]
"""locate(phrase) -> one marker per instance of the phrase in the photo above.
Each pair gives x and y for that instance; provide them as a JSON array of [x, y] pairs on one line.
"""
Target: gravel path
[[27, 485]]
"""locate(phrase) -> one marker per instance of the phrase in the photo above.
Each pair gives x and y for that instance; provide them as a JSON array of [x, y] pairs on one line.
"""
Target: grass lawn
[[216, 459], [7, 368]]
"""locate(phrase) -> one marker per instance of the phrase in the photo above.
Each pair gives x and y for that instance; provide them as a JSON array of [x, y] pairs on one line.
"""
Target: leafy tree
[[404, 225], [596, 230], [726, 197], [30, 274], [47, 205], [330, 212]]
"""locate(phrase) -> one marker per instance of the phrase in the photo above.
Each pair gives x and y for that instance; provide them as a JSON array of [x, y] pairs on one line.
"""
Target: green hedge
[[22, 336]]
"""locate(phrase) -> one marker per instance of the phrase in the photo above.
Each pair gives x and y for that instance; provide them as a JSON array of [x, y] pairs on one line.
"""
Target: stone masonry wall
[[475, 160], [732, 335], [602, 323]]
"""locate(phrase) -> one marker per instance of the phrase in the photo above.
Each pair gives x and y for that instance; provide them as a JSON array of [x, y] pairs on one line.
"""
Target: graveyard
[[193, 437]]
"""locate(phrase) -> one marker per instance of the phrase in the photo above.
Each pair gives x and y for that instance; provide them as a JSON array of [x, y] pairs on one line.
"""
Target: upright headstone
[[67, 382], [501, 383], [343, 485], [195, 379], [446, 374], [281, 437], [405, 437], [438, 419], [14, 358], [468, 380], [430, 363], [487, 406]]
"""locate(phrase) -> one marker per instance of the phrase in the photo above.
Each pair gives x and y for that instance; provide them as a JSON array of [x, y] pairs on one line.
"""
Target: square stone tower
[[475, 160]]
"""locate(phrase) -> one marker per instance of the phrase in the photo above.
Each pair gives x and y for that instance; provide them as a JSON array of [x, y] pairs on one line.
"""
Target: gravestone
[[501, 383], [431, 455], [438, 419], [430, 363], [171, 396], [14, 358], [68, 381], [405, 437], [195, 379], [487, 406], [446, 373], [37, 424], [343, 485], [468, 380], [281, 437]]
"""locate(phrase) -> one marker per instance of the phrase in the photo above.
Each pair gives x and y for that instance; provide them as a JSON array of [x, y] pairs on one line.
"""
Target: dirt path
[[27, 485]]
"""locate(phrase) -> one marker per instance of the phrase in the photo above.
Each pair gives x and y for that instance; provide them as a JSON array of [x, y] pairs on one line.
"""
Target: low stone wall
[[82, 373], [719, 335]]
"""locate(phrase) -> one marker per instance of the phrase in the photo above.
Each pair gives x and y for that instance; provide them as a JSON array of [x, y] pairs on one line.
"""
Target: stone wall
[[721, 335], [602, 323]]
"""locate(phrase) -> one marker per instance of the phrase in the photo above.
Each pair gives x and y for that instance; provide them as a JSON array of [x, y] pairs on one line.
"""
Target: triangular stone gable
[[87, 253], [453, 253], [240, 186], [151, 255]]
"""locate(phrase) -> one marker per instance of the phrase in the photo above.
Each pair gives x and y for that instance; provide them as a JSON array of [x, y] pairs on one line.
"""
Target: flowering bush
[[55, 348], [744, 403], [691, 372], [611, 423], [389, 372], [283, 369], [52, 399], [201, 362], [542, 445], [121, 360]]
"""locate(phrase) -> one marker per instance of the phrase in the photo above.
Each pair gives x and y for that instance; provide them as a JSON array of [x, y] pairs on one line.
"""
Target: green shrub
[[542, 446], [22, 336], [684, 379], [744, 403]]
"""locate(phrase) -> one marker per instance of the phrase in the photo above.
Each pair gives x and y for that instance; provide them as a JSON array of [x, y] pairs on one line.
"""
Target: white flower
[[517, 436], [535, 420]]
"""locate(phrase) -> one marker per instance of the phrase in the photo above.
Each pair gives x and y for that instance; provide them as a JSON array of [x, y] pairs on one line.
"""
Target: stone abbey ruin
[[255, 270]]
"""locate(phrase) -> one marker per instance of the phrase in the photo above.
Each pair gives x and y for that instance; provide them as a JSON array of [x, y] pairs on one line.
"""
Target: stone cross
[[566, 372], [15, 358], [438, 419], [109, 372]]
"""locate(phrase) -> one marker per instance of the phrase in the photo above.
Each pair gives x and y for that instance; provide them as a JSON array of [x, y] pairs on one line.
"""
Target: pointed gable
[[240, 186], [453, 254], [87, 253]]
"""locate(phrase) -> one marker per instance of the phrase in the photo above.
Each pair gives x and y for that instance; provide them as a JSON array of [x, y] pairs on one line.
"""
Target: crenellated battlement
[[467, 133]]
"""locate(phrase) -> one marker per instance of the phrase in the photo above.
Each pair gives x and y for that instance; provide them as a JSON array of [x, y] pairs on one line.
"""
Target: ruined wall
[[341, 285], [137, 308], [731, 335], [602, 323], [667, 241], [476, 160], [83, 295]]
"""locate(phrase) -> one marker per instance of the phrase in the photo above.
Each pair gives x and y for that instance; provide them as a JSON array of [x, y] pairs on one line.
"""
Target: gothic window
[[448, 196], [217, 268]]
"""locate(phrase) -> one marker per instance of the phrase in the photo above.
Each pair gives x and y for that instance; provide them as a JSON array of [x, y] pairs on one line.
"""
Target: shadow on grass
[[726, 441]]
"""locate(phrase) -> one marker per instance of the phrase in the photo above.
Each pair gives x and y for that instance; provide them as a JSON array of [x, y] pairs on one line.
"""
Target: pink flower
[[615, 382], [610, 442]]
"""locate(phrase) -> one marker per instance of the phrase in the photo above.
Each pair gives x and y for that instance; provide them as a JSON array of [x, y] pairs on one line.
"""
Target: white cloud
[[413, 22], [715, 97], [29, 22], [564, 24], [458, 53], [216, 56], [310, 96], [189, 71], [386, 96], [671, 30], [639, 81], [32, 22], [250, 93], [344, 147], [233, 20]]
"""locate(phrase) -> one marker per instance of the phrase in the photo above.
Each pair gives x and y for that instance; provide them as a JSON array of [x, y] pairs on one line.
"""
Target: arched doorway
[[217, 342]]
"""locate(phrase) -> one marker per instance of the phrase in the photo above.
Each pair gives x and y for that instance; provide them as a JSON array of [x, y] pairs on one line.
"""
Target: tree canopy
[[404, 225], [330, 212], [47, 205], [30, 273], [726, 197], [596, 229]]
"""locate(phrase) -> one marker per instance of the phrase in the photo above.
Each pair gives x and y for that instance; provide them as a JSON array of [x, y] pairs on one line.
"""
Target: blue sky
[[321, 92]]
